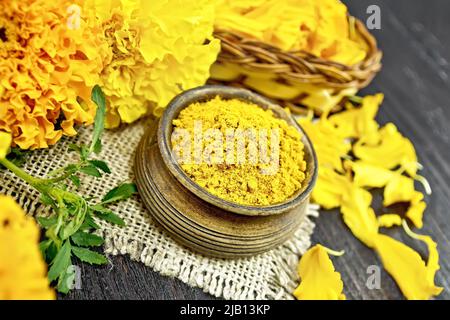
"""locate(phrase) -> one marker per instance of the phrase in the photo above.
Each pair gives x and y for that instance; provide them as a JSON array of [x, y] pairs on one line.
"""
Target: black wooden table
[[416, 83]]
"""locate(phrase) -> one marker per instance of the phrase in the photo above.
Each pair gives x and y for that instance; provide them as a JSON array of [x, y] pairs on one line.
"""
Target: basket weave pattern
[[299, 67]]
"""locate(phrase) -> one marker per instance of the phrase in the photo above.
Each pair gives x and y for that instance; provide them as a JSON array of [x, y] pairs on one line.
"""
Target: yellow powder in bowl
[[239, 151]]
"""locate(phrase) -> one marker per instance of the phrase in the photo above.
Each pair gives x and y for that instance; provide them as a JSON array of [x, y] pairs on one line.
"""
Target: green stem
[[35, 182]]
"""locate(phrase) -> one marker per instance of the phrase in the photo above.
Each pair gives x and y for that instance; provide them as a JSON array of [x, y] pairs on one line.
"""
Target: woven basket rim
[[300, 67]]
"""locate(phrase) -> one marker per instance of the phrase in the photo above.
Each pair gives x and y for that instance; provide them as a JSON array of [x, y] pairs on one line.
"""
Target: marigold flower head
[[47, 61], [158, 49], [5, 144], [23, 272]]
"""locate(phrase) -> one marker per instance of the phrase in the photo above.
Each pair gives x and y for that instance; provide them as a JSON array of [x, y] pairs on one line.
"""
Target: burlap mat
[[268, 276]]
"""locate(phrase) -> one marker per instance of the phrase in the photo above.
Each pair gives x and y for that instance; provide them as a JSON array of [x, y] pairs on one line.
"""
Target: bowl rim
[[187, 97]]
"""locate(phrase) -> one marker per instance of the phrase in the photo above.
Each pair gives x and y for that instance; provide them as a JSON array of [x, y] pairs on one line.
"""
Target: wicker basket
[[295, 69]]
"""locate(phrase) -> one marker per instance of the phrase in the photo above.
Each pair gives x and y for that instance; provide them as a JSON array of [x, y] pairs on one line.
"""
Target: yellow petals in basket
[[305, 53]]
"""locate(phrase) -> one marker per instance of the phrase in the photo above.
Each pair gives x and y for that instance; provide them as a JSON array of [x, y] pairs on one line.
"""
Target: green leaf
[[89, 256], [98, 147], [47, 222], [100, 165], [71, 169], [85, 239], [43, 247], [122, 192], [84, 153], [89, 223], [74, 147], [98, 97], [61, 262], [75, 180], [51, 252], [111, 217], [46, 200], [91, 170], [66, 280], [17, 156]]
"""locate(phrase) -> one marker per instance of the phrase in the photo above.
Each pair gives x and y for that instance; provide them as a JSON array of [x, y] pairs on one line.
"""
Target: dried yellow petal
[[369, 175], [5, 144], [328, 141], [398, 189], [391, 150], [359, 216], [413, 276], [389, 220], [330, 187], [401, 189], [359, 122], [415, 212], [319, 280]]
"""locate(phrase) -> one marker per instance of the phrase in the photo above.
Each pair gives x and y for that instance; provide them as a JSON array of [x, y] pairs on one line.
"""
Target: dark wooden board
[[416, 82]]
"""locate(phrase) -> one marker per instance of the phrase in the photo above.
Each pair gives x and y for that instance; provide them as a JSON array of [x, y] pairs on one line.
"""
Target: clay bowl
[[205, 93], [199, 220]]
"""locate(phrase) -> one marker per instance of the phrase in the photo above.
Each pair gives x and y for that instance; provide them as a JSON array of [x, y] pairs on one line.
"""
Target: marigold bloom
[[158, 49], [22, 268], [47, 61]]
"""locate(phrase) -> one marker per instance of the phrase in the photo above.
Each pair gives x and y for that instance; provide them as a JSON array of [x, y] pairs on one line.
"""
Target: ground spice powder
[[228, 134]]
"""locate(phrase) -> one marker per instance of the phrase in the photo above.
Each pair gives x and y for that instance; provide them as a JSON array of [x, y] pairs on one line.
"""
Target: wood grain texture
[[416, 82]]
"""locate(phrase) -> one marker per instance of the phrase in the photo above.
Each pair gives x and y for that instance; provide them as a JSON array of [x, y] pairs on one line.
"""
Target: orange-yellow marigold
[[22, 268], [49, 55]]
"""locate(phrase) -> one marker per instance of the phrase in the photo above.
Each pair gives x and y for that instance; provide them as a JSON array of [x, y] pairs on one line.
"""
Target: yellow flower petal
[[5, 143], [330, 188], [390, 151], [359, 122], [413, 276], [399, 189], [158, 49], [369, 175], [389, 220], [359, 216], [45, 66], [23, 272], [319, 280], [415, 212], [318, 27], [329, 143]]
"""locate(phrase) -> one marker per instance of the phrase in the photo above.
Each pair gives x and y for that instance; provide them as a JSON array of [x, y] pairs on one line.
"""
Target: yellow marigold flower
[[49, 55], [23, 272], [158, 49], [319, 27], [319, 280], [5, 144]]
